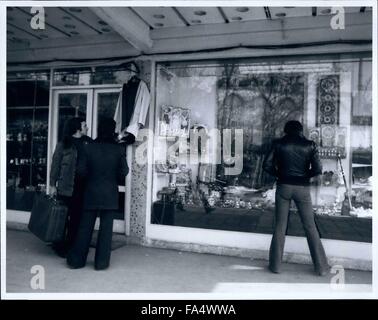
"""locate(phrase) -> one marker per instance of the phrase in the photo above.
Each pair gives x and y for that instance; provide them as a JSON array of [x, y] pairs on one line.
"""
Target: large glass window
[[227, 113], [28, 96], [27, 132], [86, 76]]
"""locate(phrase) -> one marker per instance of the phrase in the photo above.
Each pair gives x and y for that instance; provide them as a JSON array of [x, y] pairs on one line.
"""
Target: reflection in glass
[[71, 105], [72, 77], [106, 105], [90, 76], [259, 96], [27, 130]]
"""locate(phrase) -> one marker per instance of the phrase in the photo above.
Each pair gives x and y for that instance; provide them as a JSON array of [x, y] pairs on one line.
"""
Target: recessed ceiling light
[[326, 11], [242, 9], [159, 16], [66, 18], [158, 25], [236, 18], [200, 13], [281, 14], [70, 26], [196, 21], [75, 9], [102, 22], [106, 29]]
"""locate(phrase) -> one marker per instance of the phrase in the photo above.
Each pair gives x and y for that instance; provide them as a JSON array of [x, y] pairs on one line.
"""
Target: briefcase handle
[[52, 197]]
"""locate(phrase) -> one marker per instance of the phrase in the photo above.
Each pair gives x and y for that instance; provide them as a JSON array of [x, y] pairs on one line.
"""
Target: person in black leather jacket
[[294, 160]]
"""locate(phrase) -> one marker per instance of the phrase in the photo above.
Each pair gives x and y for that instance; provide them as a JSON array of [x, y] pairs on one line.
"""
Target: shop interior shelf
[[260, 221], [359, 165]]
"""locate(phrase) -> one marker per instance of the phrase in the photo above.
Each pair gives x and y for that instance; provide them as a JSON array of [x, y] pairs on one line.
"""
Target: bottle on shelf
[[345, 208], [24, 133]]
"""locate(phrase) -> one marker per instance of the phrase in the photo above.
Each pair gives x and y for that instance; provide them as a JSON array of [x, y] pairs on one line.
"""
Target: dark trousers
[[302, 199], [74, 212], [77, 256]]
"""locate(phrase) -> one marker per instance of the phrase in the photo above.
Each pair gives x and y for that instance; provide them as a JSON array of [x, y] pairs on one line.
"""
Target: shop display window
[[90, 76], [72, 77], [27, 134], [215, 122]]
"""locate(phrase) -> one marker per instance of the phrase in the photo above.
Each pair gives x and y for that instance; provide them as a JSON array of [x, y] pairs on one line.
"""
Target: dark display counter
[[346, 228]]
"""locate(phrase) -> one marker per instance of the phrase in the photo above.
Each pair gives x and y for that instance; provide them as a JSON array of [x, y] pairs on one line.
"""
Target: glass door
[[68, 103], [90, 104], [105, 103], [104, 106]]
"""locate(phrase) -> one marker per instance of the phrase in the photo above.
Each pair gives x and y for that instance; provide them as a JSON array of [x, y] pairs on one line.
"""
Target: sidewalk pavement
[[138, 269]]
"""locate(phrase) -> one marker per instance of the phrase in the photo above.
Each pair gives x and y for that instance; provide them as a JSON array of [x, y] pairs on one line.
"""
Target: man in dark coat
[[104, 166], [293, 160]]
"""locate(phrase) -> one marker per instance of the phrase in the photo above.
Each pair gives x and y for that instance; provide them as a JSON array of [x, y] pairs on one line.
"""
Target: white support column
[[128, 186], [133, 29]]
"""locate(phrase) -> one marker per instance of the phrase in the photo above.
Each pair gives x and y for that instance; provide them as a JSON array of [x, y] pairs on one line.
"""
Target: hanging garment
[[129, 92], [132, 107], [126, 103]]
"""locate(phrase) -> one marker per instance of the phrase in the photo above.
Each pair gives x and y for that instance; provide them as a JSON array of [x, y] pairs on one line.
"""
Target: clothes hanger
[[132, 67], [134, 78]]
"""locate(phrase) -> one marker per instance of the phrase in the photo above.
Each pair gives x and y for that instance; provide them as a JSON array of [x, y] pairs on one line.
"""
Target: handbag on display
[[48, 218]]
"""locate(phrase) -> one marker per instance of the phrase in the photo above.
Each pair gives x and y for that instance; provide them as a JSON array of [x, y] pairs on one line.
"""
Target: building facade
[[221, 94]]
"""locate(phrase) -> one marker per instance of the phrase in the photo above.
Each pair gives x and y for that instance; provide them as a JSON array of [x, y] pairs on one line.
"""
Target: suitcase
[[48, 218]]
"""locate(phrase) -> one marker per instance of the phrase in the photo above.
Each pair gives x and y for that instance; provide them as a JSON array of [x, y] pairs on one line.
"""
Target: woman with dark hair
[[105, 167], [66, 182], [71, 129]]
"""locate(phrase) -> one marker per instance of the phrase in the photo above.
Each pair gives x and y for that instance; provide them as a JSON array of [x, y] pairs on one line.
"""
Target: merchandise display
[[258, 105], [26, 159], [204, 189], [174, 121], [27, 139], [211, 101]]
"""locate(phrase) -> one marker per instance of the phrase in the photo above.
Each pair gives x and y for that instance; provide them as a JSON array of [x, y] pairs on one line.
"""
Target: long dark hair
[[71, 126]]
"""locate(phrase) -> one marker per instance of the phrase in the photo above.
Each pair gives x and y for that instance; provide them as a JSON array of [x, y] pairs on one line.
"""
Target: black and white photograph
[[188, 150]]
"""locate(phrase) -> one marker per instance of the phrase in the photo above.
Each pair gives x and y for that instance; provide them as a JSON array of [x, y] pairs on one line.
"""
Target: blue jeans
[[302, 199]]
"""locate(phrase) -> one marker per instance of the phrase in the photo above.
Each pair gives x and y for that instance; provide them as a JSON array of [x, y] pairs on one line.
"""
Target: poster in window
[[260, 104], [174, 121], [362, 98], [314, 135], [328, 134], [340, 140], [328, 93]]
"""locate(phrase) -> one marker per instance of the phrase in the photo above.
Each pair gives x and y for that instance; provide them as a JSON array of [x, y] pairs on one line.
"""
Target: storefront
[[259, 96], [196, 180], [39, 102]]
